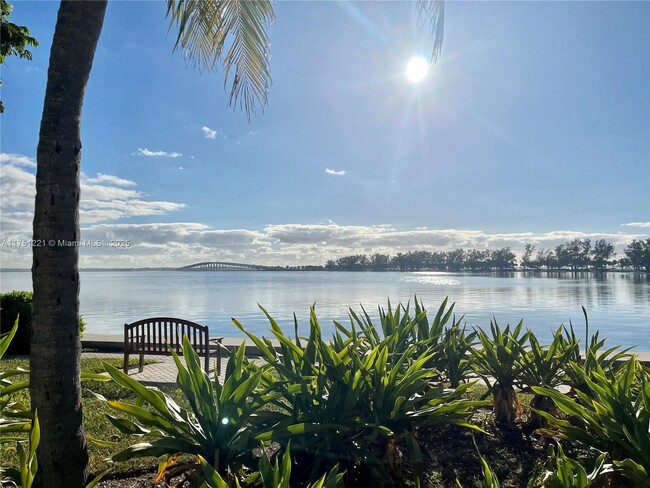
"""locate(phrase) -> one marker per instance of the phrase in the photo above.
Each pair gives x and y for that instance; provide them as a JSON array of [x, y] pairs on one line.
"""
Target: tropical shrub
[[351, 400], [564, 472], [545, 366], [28, 464], [268, 475], [278, 475], [16, 304], [398, 331], [490, 479], [453, 355], [500, 358], [596, 358], [220, 425], [395, 329], [611, 415], [15, 416]]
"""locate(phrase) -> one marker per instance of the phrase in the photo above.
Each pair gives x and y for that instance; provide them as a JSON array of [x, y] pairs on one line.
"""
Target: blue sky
[[533, 126]]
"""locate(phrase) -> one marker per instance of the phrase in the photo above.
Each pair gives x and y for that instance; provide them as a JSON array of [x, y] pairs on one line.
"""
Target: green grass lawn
[[96, 425]]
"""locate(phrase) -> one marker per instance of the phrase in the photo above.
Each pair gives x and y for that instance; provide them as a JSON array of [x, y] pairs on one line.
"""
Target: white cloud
[[212, 133], [252, 133], [181, 243], [641, 225], [334, 172], [110, 179], [103, 211], [17, 188], [354, 239], [17, 160], [180, 167], [164, 154], [209, 133], [103, 197]]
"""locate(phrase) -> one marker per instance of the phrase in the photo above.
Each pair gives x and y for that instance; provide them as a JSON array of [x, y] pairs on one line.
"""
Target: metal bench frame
[[155, 336]]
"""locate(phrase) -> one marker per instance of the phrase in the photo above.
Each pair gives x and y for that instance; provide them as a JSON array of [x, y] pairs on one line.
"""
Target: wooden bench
[[155, 336]]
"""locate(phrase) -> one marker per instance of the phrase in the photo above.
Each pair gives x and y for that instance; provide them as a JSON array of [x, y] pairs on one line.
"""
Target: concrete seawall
[[115, 343]]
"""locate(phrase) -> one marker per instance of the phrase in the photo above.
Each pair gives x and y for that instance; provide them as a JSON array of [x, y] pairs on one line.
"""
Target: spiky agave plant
[[278, 474], [564, 472], [398, 329], [596, 356], [611, 415], [453, 355], [544, 366], [16, 419], [219, 425], [498, 363], [490, 479], [349, 402]]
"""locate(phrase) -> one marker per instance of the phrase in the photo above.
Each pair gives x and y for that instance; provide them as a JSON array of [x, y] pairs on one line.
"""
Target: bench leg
[[141, 352], [219, 359], [126, 362]]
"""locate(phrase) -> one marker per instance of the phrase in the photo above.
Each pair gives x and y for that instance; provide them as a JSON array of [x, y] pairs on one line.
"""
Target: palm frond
[[205, 27], [431, 15]]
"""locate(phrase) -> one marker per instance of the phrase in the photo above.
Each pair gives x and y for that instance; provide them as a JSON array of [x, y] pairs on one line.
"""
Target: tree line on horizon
[[575, 255]]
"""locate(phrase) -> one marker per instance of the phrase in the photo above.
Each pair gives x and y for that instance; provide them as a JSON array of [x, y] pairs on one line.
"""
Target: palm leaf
[[431, 15], [205, 27]]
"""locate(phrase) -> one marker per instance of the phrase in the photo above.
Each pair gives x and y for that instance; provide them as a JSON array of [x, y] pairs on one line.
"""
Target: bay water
[[618, 304]]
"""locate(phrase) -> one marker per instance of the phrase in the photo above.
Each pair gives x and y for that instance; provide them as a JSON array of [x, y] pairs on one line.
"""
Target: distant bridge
[[220, 266]]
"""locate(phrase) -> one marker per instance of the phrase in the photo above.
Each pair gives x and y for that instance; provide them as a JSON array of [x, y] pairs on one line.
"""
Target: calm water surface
[[618, 304]]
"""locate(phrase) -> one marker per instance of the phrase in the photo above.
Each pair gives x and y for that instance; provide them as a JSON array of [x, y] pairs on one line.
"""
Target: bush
[[19, 303], [612, 415], [14, 304], [498, 363], [219, 425], [350, 402]]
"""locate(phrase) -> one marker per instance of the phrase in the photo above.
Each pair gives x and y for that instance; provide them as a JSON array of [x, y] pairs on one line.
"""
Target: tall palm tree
[[55, 347], [203, 26]]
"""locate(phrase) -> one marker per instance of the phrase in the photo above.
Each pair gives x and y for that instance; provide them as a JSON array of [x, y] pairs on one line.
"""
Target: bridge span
[[221, 266]]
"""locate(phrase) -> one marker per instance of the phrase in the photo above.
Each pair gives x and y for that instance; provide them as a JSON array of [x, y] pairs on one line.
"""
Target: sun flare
[[417, 68]]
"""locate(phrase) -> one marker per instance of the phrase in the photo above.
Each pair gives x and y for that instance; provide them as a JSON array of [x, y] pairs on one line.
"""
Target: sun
[[417, 68]]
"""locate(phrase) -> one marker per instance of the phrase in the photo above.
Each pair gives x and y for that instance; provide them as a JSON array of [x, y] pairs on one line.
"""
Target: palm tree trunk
[[55, 345]]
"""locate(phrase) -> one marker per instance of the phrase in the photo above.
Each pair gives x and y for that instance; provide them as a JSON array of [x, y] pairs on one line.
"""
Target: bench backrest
[[160, 331]]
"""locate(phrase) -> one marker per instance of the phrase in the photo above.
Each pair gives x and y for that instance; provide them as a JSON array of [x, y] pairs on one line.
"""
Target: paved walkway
[[161, 371]]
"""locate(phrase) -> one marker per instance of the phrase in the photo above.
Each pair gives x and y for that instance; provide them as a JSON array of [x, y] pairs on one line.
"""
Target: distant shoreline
[[319, 268]]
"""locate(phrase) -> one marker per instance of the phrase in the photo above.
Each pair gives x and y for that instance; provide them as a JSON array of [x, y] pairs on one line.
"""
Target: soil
[[448, 453]]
